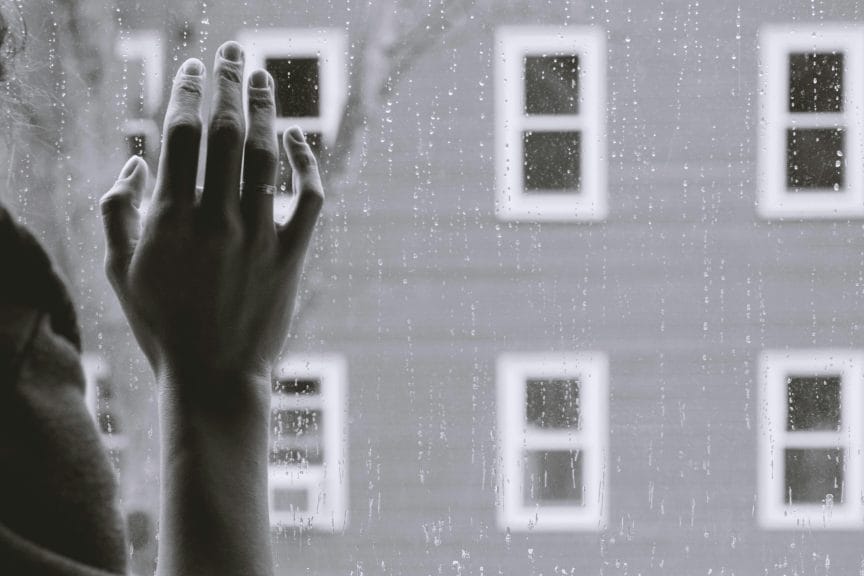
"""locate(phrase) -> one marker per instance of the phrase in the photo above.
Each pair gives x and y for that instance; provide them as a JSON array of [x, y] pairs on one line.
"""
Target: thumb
[[120, 215]]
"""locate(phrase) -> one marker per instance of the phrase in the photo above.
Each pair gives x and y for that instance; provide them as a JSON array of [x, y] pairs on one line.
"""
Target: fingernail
[[296, 134], [129, 168], [232, 51], [192, 67], [259, 79]]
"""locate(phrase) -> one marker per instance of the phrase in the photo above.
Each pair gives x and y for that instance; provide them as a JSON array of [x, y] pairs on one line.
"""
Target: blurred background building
[[585, 297]]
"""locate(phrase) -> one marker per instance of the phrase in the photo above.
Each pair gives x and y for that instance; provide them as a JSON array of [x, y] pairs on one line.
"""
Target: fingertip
[[260, 79], [294, 135], [231, 51], [192, 67]]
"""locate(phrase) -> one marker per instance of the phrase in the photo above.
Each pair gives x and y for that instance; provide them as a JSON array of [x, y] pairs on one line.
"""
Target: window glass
[[814, 159], [814, 403], [553, 477], [814, 476], [552, 84], [296, 86], [816, 82]]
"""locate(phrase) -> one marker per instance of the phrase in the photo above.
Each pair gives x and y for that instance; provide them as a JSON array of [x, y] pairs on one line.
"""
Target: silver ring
[[265, 189]]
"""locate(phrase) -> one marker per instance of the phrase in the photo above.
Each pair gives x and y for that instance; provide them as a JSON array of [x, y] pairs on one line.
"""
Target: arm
[[208, 284]]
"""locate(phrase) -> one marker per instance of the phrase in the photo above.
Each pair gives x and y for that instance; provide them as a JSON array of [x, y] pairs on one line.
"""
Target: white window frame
[[514, 437], [146, 46], [329, 45], [512, 45], [776, 43], [332, 476], [95, 368], [775, 367]]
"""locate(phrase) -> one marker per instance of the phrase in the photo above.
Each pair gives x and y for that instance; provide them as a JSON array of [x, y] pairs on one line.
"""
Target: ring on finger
[[263, 189]]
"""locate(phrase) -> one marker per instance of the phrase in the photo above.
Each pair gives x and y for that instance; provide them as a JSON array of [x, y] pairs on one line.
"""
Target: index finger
[[181, 136]]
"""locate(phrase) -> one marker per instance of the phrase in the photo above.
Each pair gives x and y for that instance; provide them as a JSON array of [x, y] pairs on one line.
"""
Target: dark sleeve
[[58, 512]]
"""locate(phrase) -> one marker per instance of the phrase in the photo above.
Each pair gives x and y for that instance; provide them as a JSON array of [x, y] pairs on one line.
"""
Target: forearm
[[214, 516]]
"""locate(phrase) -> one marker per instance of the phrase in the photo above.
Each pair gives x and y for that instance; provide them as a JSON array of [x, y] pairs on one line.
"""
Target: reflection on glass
[[552, 84], [553, 477], [816, 82], [814, 159], [553, 403], [813, 403], [552, 161], [814, 476]]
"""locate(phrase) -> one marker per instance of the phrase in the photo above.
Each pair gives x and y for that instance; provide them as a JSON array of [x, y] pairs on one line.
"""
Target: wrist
[[220, 396]]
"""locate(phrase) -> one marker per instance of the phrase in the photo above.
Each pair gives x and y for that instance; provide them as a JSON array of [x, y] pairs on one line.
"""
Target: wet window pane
[[296, 86], [296, 422], [297, 386], [289, 499], [134, 86], [553, 403], [815, 82], [136, 144], [106, 408], [814, 476], [552, 85], [814, 159], [308, 454], [552, 161], [553, 477], [814, 403]]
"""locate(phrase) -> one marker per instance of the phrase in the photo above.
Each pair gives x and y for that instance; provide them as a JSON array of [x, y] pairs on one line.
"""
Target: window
[[550, 121], [810, 452], [552, 427], [308, 67], [308, 460], [811, 153], [141, 54], [101, 398]]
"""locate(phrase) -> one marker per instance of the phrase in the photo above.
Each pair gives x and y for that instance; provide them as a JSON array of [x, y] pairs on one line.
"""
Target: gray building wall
[[420, 287]]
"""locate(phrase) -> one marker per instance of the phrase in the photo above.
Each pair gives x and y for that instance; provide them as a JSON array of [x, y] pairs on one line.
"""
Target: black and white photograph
[[431, 288]]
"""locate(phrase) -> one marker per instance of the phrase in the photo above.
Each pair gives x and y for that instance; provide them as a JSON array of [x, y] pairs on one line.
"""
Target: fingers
[[226, 133], [260, 156], [120, 216], [296, 233], [181, 135]]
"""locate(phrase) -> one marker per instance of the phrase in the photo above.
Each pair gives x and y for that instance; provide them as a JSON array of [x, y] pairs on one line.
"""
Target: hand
[[208, 282]]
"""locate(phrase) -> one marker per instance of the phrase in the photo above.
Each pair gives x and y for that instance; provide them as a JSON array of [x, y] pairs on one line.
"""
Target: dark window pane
[[814, 159], [290, 499], [814, 403], [553, 403], [552, 85], [296, 86], [552, 161], [814, 476], [815, 82], [297, 386], [311, 455], [285, 172], [553, 477], [296, 422], [134, 88], [136, 144]]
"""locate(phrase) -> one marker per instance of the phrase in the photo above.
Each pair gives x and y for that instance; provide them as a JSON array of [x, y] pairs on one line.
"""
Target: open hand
[[206, 279]]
